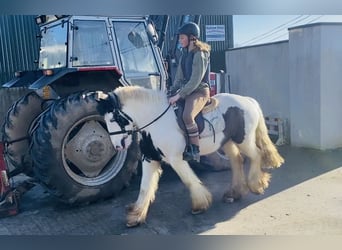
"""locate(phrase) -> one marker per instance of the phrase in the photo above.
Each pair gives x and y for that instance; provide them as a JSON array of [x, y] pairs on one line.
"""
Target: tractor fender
[[45, 79], [23, 79]]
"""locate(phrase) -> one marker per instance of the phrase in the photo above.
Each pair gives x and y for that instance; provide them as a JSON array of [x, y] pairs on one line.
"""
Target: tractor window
[[53, 47], [91, 45], [136, 54]]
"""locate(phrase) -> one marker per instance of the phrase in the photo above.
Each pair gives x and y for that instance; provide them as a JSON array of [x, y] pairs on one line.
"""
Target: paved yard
[[304, 198]]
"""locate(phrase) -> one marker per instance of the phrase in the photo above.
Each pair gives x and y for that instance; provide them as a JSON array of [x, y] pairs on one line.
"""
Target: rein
[[157, 118]]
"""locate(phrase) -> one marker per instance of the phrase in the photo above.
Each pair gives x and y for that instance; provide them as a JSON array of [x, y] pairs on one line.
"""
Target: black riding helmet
[[190, 29]]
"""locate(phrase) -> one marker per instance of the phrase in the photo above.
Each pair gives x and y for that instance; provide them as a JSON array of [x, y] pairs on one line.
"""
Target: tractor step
[[9, 205], [8, 197]]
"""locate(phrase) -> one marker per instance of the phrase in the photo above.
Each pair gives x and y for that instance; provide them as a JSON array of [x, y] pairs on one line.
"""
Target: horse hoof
[[228, 199], [129, 208], [197, 211], [258, 192], [231, 196], [133, 224]]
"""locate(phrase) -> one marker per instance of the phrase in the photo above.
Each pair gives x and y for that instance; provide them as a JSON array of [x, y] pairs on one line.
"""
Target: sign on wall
[[215, 33]]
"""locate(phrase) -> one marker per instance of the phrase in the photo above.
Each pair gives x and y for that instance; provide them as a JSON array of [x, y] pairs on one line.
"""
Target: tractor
[[54, 133]]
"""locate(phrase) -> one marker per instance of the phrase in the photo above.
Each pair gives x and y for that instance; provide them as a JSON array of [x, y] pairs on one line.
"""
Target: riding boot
[[192, 152]]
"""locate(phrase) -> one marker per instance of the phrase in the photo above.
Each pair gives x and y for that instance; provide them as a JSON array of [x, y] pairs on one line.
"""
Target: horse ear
[[99, 95]]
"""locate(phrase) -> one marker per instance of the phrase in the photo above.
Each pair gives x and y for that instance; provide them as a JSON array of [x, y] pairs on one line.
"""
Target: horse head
[[119, 124]]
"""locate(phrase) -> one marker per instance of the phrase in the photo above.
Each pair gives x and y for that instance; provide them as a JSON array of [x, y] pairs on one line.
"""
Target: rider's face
[[183, 40]]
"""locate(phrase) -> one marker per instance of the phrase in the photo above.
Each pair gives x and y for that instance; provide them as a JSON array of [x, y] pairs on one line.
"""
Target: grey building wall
[[262, 72], [315, 85], [299, 80]]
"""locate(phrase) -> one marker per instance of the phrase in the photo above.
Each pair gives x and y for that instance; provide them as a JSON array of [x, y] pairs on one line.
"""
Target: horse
[[240, 131]]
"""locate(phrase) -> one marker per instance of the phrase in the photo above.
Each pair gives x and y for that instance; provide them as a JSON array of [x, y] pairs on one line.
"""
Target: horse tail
[[269, 152]]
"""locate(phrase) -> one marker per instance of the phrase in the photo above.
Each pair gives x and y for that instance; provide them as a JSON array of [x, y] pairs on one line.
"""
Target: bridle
[[123, 119], [120, 117]]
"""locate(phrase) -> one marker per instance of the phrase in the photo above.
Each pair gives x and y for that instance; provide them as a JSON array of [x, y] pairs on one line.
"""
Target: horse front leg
[[200, 196], [137, 212]]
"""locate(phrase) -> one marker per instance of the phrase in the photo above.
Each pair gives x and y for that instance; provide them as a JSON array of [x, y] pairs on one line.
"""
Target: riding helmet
[[190, 29]]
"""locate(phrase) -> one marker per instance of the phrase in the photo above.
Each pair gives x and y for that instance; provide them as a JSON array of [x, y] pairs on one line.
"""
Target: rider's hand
[[174, 99]]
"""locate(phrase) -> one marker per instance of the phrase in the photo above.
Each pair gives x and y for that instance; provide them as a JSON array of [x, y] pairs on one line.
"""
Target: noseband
[[120, 117]]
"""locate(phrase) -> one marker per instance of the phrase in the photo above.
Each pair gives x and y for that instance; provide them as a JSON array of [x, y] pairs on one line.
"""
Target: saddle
[[199, 119]]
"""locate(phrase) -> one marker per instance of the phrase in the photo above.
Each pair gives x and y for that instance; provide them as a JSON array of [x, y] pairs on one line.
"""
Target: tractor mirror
[[136, 39], [152, 33]]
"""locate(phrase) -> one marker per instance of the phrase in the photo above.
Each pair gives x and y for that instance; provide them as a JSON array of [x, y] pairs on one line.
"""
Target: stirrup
[[191, 153]]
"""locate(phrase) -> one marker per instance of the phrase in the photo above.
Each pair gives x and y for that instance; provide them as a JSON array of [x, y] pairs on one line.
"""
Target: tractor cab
[[75, 51]]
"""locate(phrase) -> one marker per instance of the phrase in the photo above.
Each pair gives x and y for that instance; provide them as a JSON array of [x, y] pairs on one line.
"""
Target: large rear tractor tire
[[73, 156], [15, 132]]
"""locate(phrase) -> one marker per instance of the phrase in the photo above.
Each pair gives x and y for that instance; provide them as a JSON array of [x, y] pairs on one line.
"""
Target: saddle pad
[[213, 103], [216, 122]]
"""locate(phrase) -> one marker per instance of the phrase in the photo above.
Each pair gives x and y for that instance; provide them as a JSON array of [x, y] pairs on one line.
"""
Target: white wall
[[262, 72], [299, 80], [331, 86], [316, 85], [304, 82]]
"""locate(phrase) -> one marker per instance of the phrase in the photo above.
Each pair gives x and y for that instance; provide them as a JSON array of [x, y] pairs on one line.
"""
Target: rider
[[191, 80]]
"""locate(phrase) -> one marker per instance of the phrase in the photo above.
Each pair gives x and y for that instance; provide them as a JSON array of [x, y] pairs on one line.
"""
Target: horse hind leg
[[258, 180], [239, 186], [137, 212]]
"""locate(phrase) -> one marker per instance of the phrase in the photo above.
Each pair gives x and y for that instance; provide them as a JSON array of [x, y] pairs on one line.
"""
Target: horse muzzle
[[122, 145], [119, 148]]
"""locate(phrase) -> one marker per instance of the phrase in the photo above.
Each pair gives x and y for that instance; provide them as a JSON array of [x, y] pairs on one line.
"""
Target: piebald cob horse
[[236, 125]]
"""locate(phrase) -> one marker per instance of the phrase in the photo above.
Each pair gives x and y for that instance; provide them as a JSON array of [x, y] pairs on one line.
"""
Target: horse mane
[[140, 94]]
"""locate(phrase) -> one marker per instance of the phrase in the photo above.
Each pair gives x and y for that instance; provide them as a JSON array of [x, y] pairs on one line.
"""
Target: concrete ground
[[304, 198]]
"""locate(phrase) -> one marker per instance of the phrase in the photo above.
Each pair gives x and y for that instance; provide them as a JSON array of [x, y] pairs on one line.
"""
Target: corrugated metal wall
[[218, 47], [18, 45], [226, 20], [7, 97]]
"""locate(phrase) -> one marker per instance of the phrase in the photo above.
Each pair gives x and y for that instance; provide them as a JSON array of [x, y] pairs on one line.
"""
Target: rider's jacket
[[192, 72]]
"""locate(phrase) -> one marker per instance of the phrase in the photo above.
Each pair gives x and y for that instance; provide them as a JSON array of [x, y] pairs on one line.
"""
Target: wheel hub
[[90, 149], [94, 150]]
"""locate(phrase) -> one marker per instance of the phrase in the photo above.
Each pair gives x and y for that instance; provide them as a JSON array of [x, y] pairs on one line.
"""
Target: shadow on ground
[[170, 213]]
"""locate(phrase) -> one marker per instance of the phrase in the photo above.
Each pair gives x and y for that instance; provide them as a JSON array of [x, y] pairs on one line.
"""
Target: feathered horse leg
[[239, 186], [137, 212], [200, 196]]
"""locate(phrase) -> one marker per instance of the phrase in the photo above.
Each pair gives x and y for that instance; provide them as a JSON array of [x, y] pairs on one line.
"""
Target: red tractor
[[54, 133]]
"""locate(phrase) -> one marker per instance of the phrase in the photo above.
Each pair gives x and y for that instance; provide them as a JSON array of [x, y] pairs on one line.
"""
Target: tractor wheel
[[16, 126], [73, 156]]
